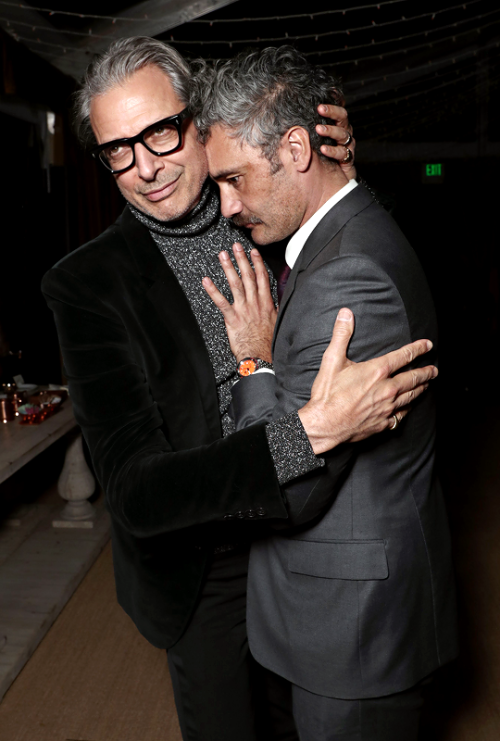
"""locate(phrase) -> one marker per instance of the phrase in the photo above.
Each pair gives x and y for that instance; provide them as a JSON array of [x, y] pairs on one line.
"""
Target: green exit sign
[[432, 172]]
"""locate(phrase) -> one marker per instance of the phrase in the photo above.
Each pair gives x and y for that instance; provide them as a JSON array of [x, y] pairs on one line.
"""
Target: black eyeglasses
[[160, 138]]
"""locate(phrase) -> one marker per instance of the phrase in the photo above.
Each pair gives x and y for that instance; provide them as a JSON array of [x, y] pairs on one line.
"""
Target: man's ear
[[298, 146]]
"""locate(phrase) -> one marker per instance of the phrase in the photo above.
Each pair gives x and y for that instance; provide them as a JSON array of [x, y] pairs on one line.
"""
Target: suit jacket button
[[228, 517], [261, 512], [250, 513], [240, 515]]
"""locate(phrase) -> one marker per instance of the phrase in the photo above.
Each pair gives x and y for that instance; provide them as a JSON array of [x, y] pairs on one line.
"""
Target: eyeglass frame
[[177, 119]]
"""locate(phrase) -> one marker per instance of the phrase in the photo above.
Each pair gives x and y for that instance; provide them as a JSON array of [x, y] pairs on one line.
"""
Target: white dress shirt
[[297, 242]]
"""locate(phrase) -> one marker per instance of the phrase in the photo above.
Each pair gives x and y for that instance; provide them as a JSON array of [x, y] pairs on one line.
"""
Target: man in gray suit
[[353, 605]]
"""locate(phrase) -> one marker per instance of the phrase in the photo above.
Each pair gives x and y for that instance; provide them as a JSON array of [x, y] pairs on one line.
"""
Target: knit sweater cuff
[[290, 448]]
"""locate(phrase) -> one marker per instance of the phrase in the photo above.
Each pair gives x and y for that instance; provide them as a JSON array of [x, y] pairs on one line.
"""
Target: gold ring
[[348, 157], [395, 424]]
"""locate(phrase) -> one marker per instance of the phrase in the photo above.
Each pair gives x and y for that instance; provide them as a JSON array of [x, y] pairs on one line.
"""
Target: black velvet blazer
[[144, 394]]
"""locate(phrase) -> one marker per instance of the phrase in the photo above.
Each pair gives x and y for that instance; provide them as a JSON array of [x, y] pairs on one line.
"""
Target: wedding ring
[[395, 423]]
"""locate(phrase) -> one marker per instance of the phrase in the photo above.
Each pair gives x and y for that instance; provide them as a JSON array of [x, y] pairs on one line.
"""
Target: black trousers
[[220, 691]]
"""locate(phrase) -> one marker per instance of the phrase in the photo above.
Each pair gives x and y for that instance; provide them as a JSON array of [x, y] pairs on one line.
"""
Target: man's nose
[[230, 205], [147, 163]]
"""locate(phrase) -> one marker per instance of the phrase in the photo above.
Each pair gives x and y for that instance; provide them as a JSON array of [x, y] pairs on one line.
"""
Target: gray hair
[[123, 58], [260, 95]]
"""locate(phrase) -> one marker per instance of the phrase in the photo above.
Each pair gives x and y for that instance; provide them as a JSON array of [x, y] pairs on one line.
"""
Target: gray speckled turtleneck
[[191, 247]]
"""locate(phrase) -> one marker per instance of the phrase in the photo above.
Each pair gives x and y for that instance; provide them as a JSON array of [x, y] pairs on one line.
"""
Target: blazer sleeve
[[150, 487], [381, 325]]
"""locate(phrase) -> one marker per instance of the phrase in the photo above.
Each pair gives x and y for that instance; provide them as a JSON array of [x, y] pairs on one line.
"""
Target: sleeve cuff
[[256, 373], [290, 448]]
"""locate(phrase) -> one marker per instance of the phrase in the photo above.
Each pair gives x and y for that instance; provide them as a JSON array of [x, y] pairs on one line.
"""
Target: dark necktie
[[283, 277]]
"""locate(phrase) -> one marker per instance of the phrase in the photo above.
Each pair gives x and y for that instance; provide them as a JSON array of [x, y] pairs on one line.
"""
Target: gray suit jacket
[[357, 599]]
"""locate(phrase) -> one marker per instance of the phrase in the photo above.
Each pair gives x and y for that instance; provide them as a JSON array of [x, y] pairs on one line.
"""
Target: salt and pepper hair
[[123, 58], [260, 95]]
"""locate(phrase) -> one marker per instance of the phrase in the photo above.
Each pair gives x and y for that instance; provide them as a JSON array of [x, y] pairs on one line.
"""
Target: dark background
[[419, 90]]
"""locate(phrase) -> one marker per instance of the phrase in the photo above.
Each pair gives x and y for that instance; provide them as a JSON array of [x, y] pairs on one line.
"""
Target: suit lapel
[[335, 220], [174, 310]]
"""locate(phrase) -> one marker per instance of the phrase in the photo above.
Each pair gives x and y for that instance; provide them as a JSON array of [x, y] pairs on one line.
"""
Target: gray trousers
[[392, 718], [222, 694]]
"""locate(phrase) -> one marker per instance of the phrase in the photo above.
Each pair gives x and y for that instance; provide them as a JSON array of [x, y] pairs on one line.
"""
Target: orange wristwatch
[[247, 366]]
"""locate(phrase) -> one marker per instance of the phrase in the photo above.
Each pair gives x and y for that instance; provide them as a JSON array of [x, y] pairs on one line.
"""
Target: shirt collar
[[297, 242]]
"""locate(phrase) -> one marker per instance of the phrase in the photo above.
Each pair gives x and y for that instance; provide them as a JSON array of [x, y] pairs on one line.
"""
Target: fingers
[[337, 133], [254, 280], [408, 397], [242, 288], [334, 153], [262, 278], [339, 130], [219, 300], [397, 359], [233, 279], [339, 152], [409, 385], [246, 270], [335, 354], [396, 418], [335, 113]]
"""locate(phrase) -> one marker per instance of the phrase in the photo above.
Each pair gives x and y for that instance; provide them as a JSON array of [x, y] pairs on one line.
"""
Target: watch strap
[[247, 366]]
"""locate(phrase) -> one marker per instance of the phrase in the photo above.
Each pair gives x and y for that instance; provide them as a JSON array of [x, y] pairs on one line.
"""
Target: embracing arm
[[361, 398], [150, 487]]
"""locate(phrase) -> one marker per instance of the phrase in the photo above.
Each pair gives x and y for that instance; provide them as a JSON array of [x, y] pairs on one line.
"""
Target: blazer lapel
[[335, 220], [174, 310]]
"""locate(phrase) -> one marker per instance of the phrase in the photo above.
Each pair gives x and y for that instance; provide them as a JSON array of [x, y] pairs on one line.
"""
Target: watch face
[[247, 367]]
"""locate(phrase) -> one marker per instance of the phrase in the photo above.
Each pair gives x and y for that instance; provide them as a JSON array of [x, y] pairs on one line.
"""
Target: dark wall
[[453, 228], [46, 210]]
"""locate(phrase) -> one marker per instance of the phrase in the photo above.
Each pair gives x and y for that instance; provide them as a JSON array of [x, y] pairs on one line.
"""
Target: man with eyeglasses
[[164, 137], [150, 371]]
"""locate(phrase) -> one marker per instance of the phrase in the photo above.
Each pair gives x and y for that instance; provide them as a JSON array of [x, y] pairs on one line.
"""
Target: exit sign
[[432, 172]]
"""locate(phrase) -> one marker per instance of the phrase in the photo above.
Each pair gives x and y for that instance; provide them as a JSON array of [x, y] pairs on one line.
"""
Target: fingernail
[[254, 251], [320, 127], [345, 315], [237, 247], [435, 372], [429, 345], [224, 255]]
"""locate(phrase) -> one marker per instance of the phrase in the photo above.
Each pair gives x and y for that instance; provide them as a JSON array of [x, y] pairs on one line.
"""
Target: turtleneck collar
[[204, 214]]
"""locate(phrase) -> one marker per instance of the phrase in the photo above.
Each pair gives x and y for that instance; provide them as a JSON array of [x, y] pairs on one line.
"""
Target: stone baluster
[[76, 484]]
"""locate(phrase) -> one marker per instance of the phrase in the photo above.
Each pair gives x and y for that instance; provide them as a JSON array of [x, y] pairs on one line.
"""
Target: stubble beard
[[280, 224]]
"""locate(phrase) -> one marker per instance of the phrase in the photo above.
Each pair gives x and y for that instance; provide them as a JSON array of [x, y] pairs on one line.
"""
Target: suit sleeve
[[150, 487], [380, 326]]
